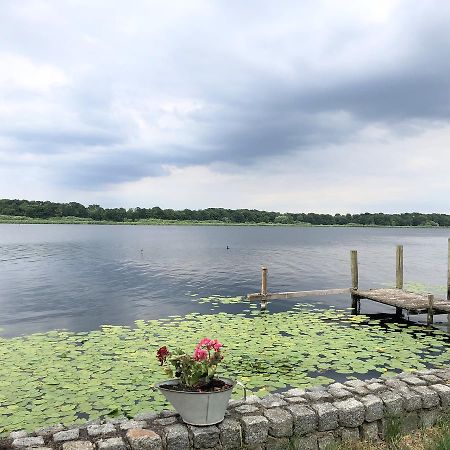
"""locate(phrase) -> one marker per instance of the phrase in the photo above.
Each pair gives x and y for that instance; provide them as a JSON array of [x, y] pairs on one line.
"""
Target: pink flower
[[216, 345], [205, 342], [200, 354]]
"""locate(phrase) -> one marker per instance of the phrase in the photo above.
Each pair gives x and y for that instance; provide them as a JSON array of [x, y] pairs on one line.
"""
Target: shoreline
[[17, 220]]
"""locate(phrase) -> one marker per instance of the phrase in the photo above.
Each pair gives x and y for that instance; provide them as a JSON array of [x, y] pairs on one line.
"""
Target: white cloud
[[319, 106]]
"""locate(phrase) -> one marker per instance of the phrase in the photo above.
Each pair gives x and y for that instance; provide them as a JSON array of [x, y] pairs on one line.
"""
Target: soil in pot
[[215, 385]]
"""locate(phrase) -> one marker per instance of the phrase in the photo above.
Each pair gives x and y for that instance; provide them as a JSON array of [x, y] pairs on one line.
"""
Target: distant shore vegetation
[[26, 211]]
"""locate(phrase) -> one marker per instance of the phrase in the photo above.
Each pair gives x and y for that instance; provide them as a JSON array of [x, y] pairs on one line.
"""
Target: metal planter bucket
[[198, 408]]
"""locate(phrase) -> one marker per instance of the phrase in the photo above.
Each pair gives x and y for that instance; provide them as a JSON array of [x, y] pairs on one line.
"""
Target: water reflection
[[80, 277]]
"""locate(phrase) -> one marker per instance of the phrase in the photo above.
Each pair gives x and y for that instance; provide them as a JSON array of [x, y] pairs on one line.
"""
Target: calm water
[[80, 276]]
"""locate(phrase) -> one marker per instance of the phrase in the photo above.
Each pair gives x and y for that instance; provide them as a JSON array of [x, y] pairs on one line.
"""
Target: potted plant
[[197, 394]]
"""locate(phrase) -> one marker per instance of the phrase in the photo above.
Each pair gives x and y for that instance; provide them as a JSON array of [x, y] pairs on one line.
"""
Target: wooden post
[[399, 268], [399, 274], [448, 271], [430, 309], [263, 287], [448, 283], [355, 278]]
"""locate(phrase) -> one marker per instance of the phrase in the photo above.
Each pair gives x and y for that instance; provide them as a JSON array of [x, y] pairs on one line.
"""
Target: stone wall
[[296, 419]]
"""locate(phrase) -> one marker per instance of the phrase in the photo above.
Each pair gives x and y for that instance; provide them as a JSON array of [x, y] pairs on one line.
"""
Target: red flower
[[162, 354]]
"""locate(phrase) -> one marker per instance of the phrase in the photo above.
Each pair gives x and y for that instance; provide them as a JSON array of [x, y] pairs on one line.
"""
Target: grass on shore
[[434, 438], [71, 220]]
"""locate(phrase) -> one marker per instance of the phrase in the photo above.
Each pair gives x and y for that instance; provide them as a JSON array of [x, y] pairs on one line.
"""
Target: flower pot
[[198, 408]]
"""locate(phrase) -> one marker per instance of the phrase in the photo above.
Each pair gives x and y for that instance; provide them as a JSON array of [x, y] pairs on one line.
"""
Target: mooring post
[[430, 309], [448, 283], [355, 278], [448, 271], [263, 287], [399, 274]]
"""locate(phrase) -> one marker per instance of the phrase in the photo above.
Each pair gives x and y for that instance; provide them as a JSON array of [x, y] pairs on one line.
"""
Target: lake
[[79, 277]]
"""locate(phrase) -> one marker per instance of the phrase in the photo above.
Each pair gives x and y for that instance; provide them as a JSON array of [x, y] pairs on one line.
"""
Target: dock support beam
[[399, 274], [355, 279], [448, 271], [263, 288], [448, 283], [430, 309]]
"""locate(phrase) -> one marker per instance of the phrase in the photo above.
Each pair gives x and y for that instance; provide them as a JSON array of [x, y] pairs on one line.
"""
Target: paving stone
[[350, 412], [277, 443], [18, 434], [355, 383], [280, 422], [430, 379], [305, 442], [410, 422], [376, 387], [246, 409], [33, 441], [66, 435], [101, 430], [428, 417], [430, 397], [319, 396], [414, 381], [305, 419], [252, 399], [48, 431], [39, 448], [393, 403], [233, 403], [394, 383], [165, 421], [326, 440], [78, 445], [140, 439], [327, 414], [114, 443], [205, 437], [230, 434], [336, 386], [131, 424], [412, 401], [373, 408], [272, 401], [255, 429], [167, 413], [443, 392], [176, 437], [369, 431], [350, 434], [296, 400], [360, 390], [339, 393], [444, 374], [294, 392], [149, 415]]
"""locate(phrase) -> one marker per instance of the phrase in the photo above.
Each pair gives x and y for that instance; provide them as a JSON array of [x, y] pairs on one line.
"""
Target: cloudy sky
[[325, 106]]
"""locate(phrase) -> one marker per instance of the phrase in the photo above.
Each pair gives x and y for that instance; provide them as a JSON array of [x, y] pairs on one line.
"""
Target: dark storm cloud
[[261, 92]]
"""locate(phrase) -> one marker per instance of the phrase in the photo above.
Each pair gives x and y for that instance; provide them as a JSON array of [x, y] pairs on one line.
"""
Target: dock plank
[[399, 298]]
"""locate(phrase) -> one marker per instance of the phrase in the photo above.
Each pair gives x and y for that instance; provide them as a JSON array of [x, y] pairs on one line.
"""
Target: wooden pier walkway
[[409, 301], [401, 300]]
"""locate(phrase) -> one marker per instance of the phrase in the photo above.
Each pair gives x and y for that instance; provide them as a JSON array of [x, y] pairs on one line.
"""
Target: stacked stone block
[[301, 419]]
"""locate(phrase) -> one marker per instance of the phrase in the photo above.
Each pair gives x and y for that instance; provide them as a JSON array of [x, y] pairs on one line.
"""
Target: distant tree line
[[48, 210]]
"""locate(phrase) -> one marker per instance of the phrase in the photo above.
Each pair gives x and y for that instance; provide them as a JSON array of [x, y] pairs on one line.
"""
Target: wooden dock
[[401, 300]]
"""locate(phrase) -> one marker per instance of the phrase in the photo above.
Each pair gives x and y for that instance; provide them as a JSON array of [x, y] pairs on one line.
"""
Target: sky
[[301, 106]]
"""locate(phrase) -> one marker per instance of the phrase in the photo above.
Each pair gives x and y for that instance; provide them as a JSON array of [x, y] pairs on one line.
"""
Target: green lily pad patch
[[69, 377]]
